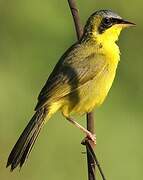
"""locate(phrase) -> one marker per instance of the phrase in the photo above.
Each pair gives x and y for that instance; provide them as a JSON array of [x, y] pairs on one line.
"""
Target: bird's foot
[[91, 138]]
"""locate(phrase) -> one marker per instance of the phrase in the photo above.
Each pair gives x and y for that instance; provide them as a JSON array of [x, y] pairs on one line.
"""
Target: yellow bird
[[79, 82]]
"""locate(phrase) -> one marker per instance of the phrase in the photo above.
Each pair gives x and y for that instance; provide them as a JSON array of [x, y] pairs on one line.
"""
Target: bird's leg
[[88, 133]]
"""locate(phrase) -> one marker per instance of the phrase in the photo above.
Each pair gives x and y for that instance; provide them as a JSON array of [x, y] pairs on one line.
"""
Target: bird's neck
[[110, 50], [105, 43], [106, 47]]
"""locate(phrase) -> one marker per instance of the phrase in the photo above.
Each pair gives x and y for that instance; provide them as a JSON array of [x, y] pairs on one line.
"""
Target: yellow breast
[[93, 93], [102, 84]]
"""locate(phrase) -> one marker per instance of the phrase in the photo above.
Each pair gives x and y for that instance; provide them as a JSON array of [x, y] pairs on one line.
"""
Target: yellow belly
[[91, 94]]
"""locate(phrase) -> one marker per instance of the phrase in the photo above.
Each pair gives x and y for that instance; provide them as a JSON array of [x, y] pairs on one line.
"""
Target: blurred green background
[[33, 35]]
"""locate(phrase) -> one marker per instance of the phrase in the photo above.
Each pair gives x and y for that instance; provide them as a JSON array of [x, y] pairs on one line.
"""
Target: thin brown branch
[[76, 18], [90, 159], [90, 118], [93, 156]]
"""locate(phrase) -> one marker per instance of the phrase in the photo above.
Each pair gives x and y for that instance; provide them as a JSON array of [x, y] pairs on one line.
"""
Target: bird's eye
[[107, 22]]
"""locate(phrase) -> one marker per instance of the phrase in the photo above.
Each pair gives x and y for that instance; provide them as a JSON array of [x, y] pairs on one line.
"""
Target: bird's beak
[[125, 23]]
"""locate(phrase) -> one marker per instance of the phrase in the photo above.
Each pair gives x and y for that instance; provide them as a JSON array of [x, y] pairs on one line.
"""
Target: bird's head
[[105, 25]]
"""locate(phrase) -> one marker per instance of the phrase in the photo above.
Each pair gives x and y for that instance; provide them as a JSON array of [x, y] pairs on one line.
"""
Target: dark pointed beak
[[125, 23], [122, 21]]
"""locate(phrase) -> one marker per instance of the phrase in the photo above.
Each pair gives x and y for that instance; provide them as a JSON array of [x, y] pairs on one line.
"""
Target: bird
[[79, 82]]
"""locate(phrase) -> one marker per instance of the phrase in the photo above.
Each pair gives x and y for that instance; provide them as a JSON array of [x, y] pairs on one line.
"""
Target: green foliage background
[[33, 35]]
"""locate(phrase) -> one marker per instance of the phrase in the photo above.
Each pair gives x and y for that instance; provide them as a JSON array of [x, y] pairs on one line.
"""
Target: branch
[[90, 118], [91, 157], [76, 18]]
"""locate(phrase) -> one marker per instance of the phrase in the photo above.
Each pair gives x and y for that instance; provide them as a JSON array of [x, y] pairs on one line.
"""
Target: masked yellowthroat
[[79, 82]]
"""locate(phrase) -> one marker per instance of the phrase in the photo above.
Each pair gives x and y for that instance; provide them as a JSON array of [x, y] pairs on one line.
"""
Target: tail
[[23, 146]]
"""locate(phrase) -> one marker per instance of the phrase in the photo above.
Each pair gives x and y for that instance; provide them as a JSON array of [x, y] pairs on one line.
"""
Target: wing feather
[[70, 73]]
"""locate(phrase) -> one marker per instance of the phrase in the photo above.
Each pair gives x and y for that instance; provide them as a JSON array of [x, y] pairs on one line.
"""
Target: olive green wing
[[70, 73]]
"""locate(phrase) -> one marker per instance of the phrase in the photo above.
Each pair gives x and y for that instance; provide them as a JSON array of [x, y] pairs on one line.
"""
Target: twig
[[90, 118], [90, 159], [76, 18], [93, 155]]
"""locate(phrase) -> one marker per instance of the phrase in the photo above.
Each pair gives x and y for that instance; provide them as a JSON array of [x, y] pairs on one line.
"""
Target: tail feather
[[29, 147], [24, 145]]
